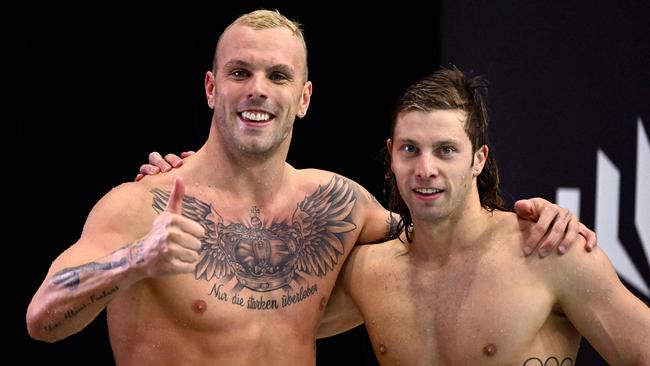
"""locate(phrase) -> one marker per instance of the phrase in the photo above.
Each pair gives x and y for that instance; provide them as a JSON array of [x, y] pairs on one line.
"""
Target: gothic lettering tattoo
[[551, 361], [69, 277], [265, 254]]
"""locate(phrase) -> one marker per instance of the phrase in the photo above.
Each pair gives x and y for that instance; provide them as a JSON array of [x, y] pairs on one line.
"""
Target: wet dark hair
[[445, 89]]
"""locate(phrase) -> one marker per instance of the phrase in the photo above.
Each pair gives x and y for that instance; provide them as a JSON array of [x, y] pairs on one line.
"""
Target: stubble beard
[[257, 146]]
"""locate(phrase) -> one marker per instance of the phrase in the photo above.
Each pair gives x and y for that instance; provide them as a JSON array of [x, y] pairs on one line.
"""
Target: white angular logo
[[607, 209]]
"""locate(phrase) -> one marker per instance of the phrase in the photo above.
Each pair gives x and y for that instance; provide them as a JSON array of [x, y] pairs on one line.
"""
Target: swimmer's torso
[[485, 308], [260, 287]]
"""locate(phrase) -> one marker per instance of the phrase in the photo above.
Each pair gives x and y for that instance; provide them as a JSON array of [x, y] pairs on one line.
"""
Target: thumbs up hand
[[172, 246]]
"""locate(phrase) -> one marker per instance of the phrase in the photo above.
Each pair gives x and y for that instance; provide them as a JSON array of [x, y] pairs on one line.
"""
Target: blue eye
[[239, 73], [409, 148], [278, 76], [446, 150]]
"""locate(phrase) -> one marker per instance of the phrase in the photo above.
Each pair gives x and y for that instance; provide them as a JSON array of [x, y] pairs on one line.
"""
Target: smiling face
[[258, 88], [433, 163]]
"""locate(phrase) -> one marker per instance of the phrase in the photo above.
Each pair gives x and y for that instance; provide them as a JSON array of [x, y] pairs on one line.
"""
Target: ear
[[480, 157], [209, 84], [389, 146], [305, 98]]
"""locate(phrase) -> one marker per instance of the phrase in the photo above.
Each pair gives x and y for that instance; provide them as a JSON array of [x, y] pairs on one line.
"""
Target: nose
[[257, 87], [426, 167]]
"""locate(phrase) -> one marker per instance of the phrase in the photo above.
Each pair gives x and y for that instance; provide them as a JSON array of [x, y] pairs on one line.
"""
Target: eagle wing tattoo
[[212, 261], [319, 223], [268, 257]]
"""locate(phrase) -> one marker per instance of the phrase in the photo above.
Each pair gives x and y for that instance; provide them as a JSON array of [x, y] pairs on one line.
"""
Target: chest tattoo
[[265, 254]]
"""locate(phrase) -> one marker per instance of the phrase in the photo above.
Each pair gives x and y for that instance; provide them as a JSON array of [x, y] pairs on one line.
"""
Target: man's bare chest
[[268, 258], [461, 316]]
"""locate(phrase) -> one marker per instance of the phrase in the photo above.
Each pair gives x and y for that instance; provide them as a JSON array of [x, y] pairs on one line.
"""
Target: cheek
[[399, 171]]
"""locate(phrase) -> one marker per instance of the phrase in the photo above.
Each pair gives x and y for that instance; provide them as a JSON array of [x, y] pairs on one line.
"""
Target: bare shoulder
[[385, 250], [556, 269], [120, 209], [115, 220], [378, 257]]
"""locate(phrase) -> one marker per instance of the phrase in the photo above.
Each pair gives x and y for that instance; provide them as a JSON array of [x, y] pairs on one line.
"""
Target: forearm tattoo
[[136, 256], [69, 277], [266, 254], [72, 312]]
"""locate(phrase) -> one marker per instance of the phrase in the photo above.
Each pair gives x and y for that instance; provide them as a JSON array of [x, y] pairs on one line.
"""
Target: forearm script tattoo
[[266, 254]]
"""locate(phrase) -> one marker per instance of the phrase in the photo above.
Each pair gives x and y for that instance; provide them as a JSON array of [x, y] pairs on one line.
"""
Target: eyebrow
[[436, 144], [236, 63], [406, 141], [285, 69], [446, 142]]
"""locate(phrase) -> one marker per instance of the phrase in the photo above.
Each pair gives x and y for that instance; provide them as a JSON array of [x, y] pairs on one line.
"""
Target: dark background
[[92, 94]]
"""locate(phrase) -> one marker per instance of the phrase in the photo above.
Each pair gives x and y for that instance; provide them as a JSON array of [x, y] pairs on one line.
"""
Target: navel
[[490, 349], [199, 306], [382, 349]]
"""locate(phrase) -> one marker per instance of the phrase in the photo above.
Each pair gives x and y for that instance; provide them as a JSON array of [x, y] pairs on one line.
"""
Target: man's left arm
[[593, 298]]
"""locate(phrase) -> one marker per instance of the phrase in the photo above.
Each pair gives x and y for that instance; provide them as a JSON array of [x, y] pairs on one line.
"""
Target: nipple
[[490, 349], [382, 349], [199, 306], [323, 302]]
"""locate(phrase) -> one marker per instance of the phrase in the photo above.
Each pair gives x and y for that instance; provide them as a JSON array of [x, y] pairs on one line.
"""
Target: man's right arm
[[84, 278]]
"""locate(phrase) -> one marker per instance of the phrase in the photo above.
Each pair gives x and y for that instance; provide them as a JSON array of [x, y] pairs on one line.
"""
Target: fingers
[[539, 229], [525, 209], [556, 232], [182, 267], [159, 164], [185, 240], [174, 160], [589, 235], [190, 226], [570, 236], [139, 177], [175, 203], [157, 160], [186, 154], [148, 169]]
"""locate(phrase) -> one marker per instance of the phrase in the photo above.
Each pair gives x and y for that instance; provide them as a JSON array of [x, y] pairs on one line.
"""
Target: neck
[[252, 178], [460, 231]]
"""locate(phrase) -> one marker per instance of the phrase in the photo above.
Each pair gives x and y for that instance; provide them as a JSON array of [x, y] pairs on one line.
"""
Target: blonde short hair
[[267, 19]]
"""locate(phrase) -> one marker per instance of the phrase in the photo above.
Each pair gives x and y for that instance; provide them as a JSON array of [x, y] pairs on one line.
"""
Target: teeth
[[256, 116], [428, 190]]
